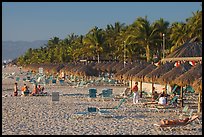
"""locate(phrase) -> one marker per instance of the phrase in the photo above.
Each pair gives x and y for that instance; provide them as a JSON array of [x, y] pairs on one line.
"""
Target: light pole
[[124, 54], [163, 44]]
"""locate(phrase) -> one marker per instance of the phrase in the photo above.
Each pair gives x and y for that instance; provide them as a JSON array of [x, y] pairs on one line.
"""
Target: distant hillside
[[13, 49]]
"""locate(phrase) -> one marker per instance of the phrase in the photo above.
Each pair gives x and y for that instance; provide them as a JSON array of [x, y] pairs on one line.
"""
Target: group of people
[[37, 90], [162, 97]]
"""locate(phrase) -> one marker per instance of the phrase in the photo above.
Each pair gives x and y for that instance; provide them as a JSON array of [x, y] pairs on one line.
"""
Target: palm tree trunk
[[148, 52]]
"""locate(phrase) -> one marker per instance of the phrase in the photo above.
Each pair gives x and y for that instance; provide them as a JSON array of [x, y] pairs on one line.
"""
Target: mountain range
[[14, 49]]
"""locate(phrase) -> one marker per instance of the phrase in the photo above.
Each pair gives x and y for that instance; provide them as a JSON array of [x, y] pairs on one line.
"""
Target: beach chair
[[17, 79], [183, 111], [163, 108], [92, 93], [186, 112], [177, 125], [107, 94], [54, 81], [91, 111], [61, 82], [116, 107], [173, 100]]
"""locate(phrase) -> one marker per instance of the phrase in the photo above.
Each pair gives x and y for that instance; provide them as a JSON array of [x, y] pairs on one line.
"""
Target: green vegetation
[[141, 40]]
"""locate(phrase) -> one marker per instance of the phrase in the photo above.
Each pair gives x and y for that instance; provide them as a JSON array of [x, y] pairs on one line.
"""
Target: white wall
[[147, 87]]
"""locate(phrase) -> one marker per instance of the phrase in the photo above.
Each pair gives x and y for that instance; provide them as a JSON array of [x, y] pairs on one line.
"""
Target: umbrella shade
[[197, 85], [103, 68], [132, 72], [119, 74], [140, 76], [189, 77], [118, 67], [158, 72], [86, 71], [109, 67], [189, 49], [174, 73]]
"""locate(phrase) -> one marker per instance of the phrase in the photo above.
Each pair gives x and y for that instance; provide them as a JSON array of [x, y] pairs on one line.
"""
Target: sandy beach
[[39, 115]]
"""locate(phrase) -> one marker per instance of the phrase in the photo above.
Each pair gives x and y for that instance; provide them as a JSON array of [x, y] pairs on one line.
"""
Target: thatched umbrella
[[118, 67], [140, 76], [158, 72], [197, 85], [174, 73], [103, 68], [132, 72], [119, 74], [190, 76], [98, 65], [189, 49], [109, 67], [85, 71]]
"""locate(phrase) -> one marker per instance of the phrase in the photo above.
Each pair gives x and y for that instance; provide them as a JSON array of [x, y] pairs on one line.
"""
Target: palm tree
[[178, 34], [144, 34], [111, 34], [162, 28], [95, 41], [195, 25]]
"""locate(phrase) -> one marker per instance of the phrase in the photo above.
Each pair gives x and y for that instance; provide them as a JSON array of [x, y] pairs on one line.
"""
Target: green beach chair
[[116, 107], [17, 79]]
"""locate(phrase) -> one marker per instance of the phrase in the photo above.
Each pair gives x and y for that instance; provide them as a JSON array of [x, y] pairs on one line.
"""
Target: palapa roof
[[132, 72], [119, 74], [158, 72], [85, 70], [197, 85], [109, 67], [104, 66], [98, 65], [140, 76], [188, 49], [118, 67], [190, 76], [174, 73]]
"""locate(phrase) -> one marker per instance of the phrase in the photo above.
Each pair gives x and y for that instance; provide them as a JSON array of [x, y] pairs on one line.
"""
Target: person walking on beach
[[135, 93], [15, 93]]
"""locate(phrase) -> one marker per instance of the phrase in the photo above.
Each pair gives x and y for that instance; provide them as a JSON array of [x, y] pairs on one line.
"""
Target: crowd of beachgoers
[[41, 115]]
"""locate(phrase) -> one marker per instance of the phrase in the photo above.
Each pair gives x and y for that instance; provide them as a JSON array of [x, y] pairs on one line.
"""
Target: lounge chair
[[116, 107], [17, 79], [168, 107], [91, 111], [107, 94], [175, 125]]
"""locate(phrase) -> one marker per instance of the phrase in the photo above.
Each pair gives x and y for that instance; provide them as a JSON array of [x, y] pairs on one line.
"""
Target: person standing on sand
[[15, 93], [135, 93]]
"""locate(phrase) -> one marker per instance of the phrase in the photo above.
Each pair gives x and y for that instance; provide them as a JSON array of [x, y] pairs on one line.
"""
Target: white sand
[[40, 116]]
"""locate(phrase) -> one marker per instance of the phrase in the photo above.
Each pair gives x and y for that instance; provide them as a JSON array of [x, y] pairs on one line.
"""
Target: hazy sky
[[31, 21]]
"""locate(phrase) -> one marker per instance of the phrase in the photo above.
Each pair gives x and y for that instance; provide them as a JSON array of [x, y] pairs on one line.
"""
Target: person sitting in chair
[[162, 100]]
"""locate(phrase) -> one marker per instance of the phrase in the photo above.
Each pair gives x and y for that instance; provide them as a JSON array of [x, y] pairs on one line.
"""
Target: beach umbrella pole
[[199, 102], [140, 89], [181, 97]]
